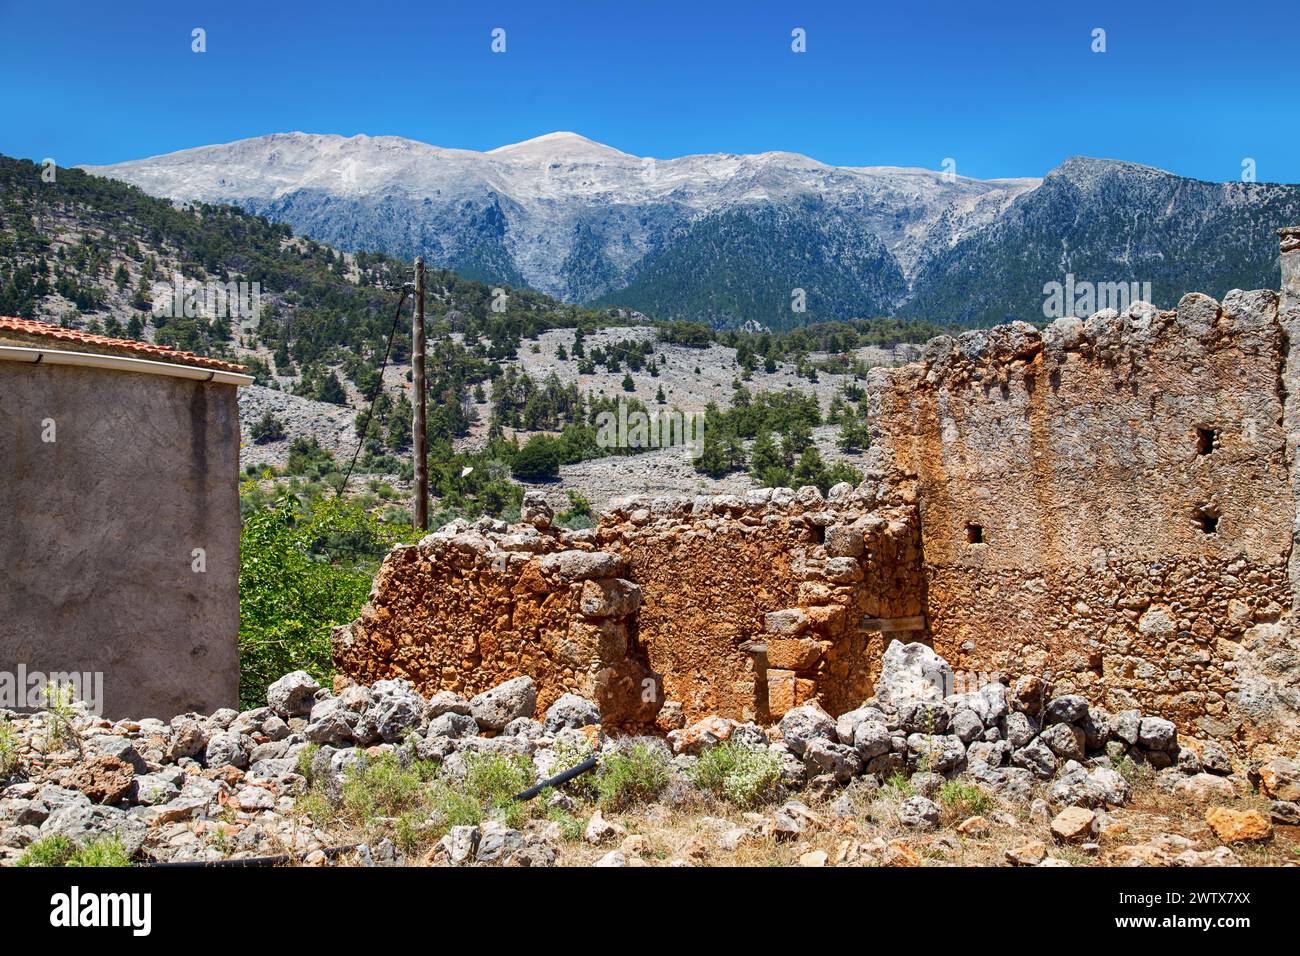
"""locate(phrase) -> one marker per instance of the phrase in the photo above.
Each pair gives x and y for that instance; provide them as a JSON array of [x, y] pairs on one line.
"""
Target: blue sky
[[1007, 89]]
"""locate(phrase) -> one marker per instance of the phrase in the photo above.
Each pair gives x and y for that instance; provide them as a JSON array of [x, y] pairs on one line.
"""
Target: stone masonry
[[1108, 504], [675, 608]]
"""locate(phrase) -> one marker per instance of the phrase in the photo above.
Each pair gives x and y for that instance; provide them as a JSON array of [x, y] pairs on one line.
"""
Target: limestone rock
[[1236, 826], [912, 672], [570, 711], [495, 708], [803, 724], [293, 694], [1074, 825]]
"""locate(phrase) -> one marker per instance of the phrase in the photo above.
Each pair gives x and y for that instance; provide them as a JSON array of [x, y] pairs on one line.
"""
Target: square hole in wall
[[974, 534], [1207, 519], [1205, 439]]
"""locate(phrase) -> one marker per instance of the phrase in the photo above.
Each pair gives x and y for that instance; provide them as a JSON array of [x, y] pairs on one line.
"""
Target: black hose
[[559, 778]]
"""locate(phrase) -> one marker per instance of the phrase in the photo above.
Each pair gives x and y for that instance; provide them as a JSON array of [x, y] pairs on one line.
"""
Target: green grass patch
[[899, 786]]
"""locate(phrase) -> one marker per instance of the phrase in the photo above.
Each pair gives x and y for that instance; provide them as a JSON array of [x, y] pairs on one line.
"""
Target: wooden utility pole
[[418, 435]]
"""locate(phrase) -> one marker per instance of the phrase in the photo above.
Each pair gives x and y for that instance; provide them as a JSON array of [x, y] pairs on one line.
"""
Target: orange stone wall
[[1107, 504]]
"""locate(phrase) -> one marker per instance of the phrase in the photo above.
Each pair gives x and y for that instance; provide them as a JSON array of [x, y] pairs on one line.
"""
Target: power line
[[379, 385]]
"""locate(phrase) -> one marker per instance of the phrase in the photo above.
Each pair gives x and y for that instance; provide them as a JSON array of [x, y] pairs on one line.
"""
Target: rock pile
[[207, 787]]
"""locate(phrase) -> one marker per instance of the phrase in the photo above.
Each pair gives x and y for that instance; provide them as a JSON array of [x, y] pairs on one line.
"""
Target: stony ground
[[379, 775]]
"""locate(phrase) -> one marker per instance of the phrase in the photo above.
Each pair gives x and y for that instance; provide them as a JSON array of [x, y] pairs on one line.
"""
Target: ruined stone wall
[[1107, 504], [754, 605], [671, 608]]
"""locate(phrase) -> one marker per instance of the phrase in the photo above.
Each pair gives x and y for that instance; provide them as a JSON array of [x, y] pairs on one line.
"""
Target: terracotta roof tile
[[159, 353]]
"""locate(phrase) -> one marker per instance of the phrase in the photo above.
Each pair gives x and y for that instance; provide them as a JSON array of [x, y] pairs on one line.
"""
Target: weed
[[745, 776], [964, 799], [103, 852], [50, 851], [305, 757], [632, 776], [899, 786], [8, 749], [491, 781], [384, 787]]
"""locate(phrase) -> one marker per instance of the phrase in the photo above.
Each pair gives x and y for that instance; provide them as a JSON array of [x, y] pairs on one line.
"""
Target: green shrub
[[103, 852], [268, 428], [965, 799], [538, 460], [900, 786], [571, 826], [633, 776], [50, 851], [569, 751], [305, 757], [384, 788], [61, 851], [745, 776], [491, 781], [8, 749], [302, 571]]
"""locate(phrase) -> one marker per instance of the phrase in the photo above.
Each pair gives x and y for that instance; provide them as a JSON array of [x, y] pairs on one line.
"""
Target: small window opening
[[1205, 438], [1207, 517], [974, 534]]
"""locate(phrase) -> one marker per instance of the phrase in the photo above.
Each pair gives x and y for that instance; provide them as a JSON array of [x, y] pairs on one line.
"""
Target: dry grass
[[686, 825]]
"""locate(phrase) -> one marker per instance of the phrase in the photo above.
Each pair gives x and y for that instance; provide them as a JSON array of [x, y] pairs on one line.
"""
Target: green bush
[[103, 852], [302, 571], [745, 776], [899, 785], [385, 788], [8, 749], [633, 776], [538, 460], [569, 751], [964, 799], [61, 851], [49, 851], [491, 781]]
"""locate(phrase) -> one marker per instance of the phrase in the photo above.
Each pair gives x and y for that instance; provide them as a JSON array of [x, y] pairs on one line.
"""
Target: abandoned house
[[119, 533], [1109, 504]]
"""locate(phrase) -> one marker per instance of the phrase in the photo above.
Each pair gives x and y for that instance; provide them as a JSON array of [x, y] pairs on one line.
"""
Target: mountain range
[[730, 239]]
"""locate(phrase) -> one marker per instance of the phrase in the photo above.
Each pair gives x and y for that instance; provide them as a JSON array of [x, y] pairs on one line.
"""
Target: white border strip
[[121, 363]]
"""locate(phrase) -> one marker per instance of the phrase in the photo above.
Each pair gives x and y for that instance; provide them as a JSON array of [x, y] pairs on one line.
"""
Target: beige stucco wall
[[98, 530]]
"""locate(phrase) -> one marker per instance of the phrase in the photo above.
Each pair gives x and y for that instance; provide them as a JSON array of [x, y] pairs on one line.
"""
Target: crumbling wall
[[469, 608], [1107, 504], [754, 605], [675, 608]]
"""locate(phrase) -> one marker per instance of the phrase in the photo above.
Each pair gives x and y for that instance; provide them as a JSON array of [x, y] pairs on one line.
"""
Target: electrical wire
[[407, 288]]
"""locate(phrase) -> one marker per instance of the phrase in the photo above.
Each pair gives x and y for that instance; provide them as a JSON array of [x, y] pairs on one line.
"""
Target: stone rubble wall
[[1106, 504], [672, 608], [1109, 505]]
